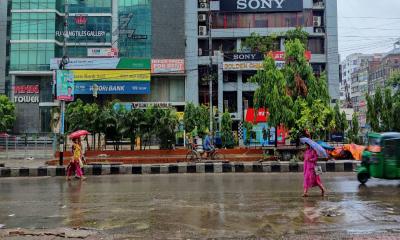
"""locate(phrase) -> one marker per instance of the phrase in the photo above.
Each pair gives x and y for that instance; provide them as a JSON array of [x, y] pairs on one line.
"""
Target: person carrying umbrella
[[74, 165], [311, 176]]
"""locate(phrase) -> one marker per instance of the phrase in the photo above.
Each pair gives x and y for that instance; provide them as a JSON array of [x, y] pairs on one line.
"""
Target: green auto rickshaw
[[381, 158]]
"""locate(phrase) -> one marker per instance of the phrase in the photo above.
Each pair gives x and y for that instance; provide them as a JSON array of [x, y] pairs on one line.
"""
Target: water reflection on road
[[211, 205]]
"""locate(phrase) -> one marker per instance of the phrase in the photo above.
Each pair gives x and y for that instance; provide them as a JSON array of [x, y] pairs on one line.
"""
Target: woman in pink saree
[[311, 179]]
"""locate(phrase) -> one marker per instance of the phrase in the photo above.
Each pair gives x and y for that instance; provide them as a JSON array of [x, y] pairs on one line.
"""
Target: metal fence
[[25, 146]]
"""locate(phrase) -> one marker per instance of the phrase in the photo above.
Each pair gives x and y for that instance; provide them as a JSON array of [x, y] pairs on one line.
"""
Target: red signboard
[[260, 117], [30, 89], [80, 19], [280, 55], [171, 66]]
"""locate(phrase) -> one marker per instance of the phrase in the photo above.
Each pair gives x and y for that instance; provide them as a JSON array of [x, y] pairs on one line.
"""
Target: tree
[[7, 114], [226, 130], [378, 106], [372, 117], [166, 123], [340, 119], [354, 130], [196, 116], [262, 44], [299, 34], [271, 94], [387, 111]]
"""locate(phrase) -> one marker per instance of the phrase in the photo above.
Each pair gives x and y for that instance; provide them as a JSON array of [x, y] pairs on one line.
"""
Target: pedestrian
[[311, 178], [74, 165]]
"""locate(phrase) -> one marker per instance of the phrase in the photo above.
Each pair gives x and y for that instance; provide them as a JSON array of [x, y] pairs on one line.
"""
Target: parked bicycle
[[195, 155]]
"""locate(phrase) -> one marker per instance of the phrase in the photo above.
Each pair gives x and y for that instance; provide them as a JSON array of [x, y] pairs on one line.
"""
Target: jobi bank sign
[[261, 5]]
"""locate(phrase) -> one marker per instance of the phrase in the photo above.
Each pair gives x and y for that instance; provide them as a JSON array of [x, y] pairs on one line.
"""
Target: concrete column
[[12, 85], [115, 23], [220, 91], [240, 96], [191, 52]]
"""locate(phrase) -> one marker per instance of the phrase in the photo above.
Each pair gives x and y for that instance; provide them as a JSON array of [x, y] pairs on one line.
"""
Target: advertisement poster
[[112, 75], [86, 88], [102, 63], [65, 85], [102, 52], [168, 66]]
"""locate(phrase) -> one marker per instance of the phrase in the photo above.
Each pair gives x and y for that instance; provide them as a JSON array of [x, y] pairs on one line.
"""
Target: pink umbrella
[[78, 134]]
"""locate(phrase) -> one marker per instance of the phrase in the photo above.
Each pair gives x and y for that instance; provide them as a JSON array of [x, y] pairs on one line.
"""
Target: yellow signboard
[[111, 75]]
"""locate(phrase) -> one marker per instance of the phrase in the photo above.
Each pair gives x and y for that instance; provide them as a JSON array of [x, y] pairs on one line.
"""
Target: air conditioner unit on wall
[[203, 1], [202, 17], [202, 31], [317, 21], [319, 30]]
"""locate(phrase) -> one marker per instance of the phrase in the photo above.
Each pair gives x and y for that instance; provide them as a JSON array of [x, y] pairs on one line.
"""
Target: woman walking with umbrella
[[75, 164], [311, 173]]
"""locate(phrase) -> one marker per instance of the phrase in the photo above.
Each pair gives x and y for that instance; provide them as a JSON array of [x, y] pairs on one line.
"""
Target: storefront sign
[[29, 89], [26, 99], [280, 55], [261, 5], [242, 66], [65, 85], [168, 66], [112, 75], [30, 94], [102, 63], [239, 57], [82, 33], [102, 52], [87, 88], [144, 105]]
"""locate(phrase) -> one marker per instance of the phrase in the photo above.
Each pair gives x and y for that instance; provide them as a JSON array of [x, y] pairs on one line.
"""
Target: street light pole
[[65, 35], [210, 72]]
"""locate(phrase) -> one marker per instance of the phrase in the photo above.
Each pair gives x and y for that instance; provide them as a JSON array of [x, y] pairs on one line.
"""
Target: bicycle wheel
[[191, 156], [217, 156]]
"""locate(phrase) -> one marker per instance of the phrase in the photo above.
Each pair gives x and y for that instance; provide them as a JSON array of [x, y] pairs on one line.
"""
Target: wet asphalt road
[[203, 206]]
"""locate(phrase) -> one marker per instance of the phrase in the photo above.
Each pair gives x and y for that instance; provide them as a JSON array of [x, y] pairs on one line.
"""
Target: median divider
[[177, 168]]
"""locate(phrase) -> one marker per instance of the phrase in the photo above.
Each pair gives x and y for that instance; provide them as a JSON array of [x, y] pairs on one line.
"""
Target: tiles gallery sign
[[261, 5]]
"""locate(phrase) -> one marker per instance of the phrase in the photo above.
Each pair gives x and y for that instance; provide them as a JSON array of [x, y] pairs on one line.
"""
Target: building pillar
[[191, 53], [220, 91], [115, 24], [240, 96], [12, 85]]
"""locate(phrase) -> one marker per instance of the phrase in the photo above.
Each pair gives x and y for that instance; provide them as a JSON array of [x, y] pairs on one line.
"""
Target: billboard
[[112, 75], [242, 66], [168, 66], [102, 63], [65, 85], [261, 5], [102, 52], [87, 88]]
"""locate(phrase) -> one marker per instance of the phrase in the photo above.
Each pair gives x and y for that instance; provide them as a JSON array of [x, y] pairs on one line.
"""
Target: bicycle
[[195, 156]]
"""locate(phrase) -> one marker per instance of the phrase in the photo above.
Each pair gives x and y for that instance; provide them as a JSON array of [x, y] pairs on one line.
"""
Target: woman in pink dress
[[311, 179]]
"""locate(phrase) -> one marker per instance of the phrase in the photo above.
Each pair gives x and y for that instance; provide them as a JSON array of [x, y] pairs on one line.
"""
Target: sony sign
[[261, 5]]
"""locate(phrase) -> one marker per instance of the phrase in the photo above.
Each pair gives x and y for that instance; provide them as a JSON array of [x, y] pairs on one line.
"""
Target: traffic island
[[176, 168]]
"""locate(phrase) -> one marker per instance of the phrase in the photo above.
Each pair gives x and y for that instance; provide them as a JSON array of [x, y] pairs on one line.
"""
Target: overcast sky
[[367, 26]]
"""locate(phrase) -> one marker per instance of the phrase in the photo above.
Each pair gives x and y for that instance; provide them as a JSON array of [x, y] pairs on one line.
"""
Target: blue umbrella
[[318, 148]]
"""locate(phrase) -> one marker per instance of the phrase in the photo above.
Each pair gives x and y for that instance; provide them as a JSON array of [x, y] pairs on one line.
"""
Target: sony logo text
[[258, 4]]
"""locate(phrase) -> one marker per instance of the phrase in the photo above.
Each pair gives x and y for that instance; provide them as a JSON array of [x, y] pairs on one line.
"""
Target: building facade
[[173, 37], [379, 76], [98, 31], [232, 65], [4, 42]]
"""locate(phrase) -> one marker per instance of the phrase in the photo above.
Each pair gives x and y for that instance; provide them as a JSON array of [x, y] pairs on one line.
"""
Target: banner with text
[[65, 85], [87, 88], [102, 63], [168, 66], [112, 75], [261, 5]]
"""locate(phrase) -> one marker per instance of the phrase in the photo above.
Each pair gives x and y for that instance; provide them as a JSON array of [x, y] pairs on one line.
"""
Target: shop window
[[230, 102]]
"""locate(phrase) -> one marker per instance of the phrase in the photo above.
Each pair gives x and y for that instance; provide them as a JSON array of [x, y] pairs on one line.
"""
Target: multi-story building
[[131, 32], [379, 76], [123, 35], [232, 22], [4, 43]]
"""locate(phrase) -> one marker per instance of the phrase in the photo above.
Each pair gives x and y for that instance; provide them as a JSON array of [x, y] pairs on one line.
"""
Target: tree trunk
[[132, 142]]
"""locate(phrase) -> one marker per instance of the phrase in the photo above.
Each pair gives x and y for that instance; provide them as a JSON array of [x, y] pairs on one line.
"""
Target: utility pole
[[62, 65], [210, 75]]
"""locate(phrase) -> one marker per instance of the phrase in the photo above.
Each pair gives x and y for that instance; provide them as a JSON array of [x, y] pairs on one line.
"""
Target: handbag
[[318, 170]]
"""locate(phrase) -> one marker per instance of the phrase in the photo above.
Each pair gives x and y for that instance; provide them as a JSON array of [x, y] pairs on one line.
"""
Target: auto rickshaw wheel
[[363, 177]]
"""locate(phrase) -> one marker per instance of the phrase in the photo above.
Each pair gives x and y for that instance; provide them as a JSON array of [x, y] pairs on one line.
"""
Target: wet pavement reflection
[[198, 205]]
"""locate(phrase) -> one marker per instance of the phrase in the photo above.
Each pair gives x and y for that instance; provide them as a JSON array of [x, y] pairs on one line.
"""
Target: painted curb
[[175, 168]]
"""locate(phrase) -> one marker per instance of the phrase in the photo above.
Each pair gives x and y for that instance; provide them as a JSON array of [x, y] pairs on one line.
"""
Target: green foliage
[[166, 123], [387, 111], [315, 118], [249, 127], [340, 119], [7, 114], [372, 117], [299, 34], [263, 44], [226, 131], [196, 116], [394, 82], [353, 133]]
